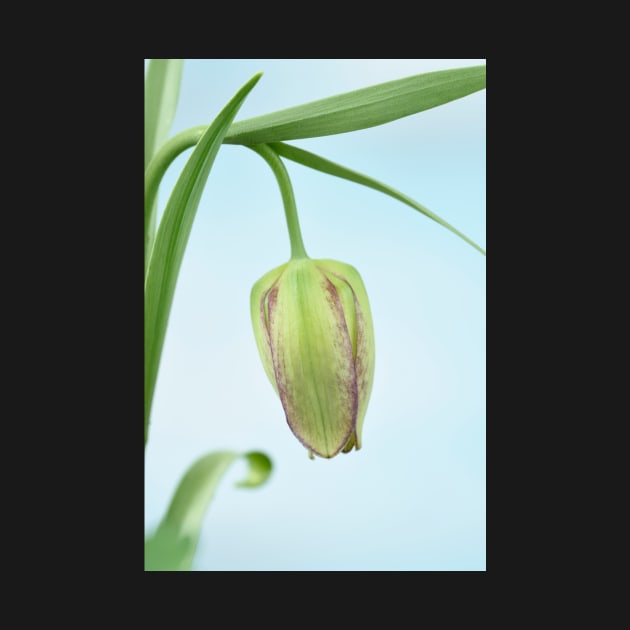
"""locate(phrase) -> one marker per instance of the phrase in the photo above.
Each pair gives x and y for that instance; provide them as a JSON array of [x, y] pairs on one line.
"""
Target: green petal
[[365, 352], [346, 296], [313, 358], [258, 309]]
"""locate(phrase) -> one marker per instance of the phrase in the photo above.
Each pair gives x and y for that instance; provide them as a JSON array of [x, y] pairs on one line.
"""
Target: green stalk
[[154, 173], [288, 199]]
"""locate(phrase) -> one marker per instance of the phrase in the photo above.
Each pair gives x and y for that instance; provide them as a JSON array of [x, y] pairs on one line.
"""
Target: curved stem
[[153, 176], [189, 138], [290, 210]]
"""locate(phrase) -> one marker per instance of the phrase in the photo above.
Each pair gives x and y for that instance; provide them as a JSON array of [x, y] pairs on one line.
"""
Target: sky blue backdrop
[[414, 497]]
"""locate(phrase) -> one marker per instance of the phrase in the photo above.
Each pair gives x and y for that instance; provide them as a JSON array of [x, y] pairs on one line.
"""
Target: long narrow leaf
[[359, 109], [331, 168], [172, 546], [338, 114], [161, 92], [172, 237]]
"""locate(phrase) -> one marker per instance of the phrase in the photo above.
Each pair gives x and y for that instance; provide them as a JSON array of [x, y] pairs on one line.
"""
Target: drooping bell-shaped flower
[[314, 332]]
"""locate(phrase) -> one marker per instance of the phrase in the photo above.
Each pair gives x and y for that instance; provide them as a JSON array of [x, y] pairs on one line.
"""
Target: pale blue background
[[414, 497]]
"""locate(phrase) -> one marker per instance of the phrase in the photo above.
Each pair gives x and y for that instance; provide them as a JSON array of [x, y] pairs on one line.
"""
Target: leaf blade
[[360, 109], [306, 158], [172, 546], [161, 93], [172, 236]]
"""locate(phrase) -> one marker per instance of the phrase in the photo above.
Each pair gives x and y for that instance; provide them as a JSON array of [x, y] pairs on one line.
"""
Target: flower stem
[[189, 138], [153, 176], [290, 209]]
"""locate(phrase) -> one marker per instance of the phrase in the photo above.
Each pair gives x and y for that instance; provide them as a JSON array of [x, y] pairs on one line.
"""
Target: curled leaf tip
[[259, 470]]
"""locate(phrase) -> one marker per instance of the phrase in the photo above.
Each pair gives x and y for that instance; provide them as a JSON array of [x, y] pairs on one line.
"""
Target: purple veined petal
[[259, 317], [364, 341]]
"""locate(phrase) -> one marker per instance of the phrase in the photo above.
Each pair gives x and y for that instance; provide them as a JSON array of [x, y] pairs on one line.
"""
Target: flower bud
[[314, 333]]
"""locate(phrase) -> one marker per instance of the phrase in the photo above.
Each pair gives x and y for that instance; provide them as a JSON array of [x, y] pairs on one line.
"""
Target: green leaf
[[370, 106], [172, 237], [258, 471], [161, 92], [172, 546], [359, 109], [165, 550], [331, 168]]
